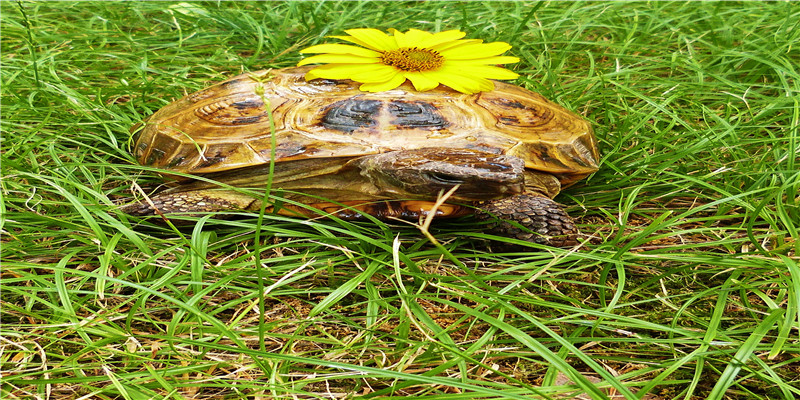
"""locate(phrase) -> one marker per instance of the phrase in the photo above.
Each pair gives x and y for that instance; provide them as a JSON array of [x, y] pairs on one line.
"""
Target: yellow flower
[[385, 61]]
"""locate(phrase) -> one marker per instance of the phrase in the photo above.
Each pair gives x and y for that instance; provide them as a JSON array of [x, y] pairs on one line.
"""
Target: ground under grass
[[687, 285]]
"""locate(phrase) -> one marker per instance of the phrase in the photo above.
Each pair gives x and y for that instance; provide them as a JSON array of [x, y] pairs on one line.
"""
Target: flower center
[[413, 59]]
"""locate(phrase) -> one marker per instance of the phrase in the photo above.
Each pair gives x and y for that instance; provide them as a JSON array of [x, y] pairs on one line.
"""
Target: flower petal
[[463, 83], [349, 39], [372, 38], [473, 51], [441, 37], [482, 84], [396, 81], [337, 58], [400, 38], [483, 71], [448, 45], [421, 81], [391, 46], [416, 36], [379, 73], [335, 48], [339, 71], [448, 80], [490, 60]]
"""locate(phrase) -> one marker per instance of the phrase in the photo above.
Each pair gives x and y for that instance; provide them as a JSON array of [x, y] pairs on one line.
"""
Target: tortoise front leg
[[531, 217], [191, 202]]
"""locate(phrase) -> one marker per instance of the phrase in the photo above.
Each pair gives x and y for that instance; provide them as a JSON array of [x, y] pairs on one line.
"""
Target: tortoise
[[340, 151]]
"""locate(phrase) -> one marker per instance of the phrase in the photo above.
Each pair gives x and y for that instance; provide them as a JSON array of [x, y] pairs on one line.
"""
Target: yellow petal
[[483, 71], [491, 60], [456, 43], [421, 81], [449, 81], [473, 51], [483, 84], [372, 38], [460, 82], [416, 36], [337, 58], [441, 37], [400, 38], [335, 48], [349, 39], [379, 73], [339, 71], [396, 81]]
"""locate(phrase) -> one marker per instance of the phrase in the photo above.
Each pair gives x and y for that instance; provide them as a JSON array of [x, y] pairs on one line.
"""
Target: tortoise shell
[[227, 125]]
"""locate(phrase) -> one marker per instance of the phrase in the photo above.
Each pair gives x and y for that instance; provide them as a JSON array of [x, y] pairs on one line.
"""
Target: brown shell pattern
[[227, 125]]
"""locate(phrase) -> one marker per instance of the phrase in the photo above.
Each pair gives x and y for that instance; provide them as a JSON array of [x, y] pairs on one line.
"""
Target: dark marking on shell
[[141, 147], [351, 114], [416, 114], [233, 111], [230, 83], [285, 150], [249, 103], [512, 104], [155, 155], [176, 161], [516, 113], [542, 151], [509, 120], [209, 161], [506, 103], [246, 120], [544, 154]]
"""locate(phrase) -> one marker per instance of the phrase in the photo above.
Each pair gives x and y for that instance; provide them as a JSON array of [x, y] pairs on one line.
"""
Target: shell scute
[[210, 161], [416, 114], [350, 115], [154, 156], [517, 114], [160, 149], [234, 110]]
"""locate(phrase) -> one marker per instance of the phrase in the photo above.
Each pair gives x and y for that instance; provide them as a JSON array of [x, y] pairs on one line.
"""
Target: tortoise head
[[426, 172]]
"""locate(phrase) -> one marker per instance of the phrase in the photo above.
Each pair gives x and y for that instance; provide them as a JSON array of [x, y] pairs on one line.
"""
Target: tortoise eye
[[445, 178]]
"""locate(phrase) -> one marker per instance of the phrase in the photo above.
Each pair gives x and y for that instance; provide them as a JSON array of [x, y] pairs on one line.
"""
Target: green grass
[[688, 287]]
